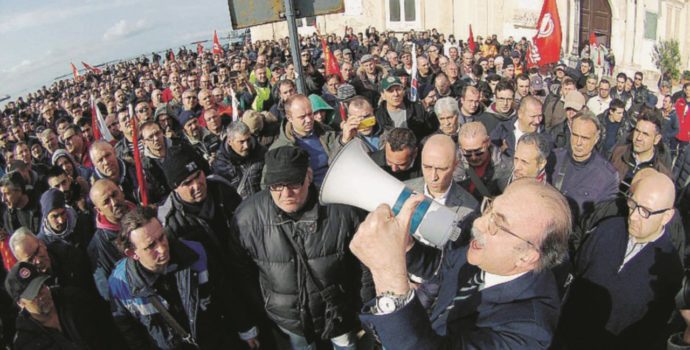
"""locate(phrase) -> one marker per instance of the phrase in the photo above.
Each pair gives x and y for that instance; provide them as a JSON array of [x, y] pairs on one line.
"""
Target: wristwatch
[[388, 302]]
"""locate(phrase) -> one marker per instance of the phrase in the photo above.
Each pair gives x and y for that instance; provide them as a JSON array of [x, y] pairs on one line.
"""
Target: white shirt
[[518, 132], [491, 280], [634, 247], [598, 105], [439, 199]]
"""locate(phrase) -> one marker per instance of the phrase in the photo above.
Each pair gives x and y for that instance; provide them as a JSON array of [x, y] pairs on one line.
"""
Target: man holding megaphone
[[497, 292]]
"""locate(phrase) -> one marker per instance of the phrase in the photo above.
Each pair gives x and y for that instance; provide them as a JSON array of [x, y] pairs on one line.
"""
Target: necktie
[[471, 287]]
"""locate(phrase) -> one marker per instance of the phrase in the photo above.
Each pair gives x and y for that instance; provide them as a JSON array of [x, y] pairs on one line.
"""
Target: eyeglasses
[[473, 152], [494, 225], [644, 212], [281, 187], [142, 110], [504, 99]]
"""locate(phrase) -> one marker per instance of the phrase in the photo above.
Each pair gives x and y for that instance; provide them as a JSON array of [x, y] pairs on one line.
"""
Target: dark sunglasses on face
[[473, 153]]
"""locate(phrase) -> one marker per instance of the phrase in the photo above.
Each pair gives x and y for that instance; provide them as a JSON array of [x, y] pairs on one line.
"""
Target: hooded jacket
[[243, 173], [319, 104], [74, 234]]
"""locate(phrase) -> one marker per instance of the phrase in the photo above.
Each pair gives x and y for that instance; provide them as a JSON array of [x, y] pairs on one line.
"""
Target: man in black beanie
[[300, 249]]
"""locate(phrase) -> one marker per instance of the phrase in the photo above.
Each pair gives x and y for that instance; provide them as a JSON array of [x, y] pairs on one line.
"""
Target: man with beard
[[111, 206], [199, 309], [496, 291], [108, 166], [501, 109], [532, 154], [483, 169], [240, 159], [529, 118], [62, 223]]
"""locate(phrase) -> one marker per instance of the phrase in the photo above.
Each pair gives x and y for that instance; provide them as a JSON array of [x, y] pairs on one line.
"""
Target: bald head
[[473, 130], [650, 206], [109, 200], [438, 162], [657, 187]]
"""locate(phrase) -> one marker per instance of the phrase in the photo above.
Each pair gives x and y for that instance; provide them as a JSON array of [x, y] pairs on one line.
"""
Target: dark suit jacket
[[519, 314]]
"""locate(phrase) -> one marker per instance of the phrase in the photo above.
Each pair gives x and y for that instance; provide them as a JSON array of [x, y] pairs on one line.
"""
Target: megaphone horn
[[353, 178]]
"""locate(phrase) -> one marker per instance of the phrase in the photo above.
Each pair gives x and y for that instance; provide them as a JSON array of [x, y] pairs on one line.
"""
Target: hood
[[318, 104], [65, 234]]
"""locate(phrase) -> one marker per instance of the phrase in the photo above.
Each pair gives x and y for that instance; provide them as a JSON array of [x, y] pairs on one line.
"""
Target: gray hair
[[235, 128], [19, 236], [540, 141], [447, 105], [588, 116]]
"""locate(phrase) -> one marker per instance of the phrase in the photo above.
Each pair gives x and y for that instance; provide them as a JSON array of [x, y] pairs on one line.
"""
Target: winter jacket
[[29, 217], [75, 234], [243, 173], [624, 130], [683, 112], [323, 234], [332, 118], [127, 181], [491, 117], [622, 159], [584, 183], [554, 111], [495, 178], [203, 302], [505, 133], [82, 328], [419, 121]]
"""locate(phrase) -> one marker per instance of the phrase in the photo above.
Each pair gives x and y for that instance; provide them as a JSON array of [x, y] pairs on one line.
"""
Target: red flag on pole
[[217, 49], [137, 158], [90, 68], [75, 71], [94, 121], [470, 41], [171, 57], [331, 62], [546, 44], [199, 48]]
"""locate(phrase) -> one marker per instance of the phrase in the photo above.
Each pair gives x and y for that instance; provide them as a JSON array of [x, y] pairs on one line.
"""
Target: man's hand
[[381, 242], [349, 129]]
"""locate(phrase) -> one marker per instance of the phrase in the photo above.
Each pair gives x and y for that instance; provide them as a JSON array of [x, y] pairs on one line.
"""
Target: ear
[[528, 258], [129, 252], [657, 138], [667, 216]]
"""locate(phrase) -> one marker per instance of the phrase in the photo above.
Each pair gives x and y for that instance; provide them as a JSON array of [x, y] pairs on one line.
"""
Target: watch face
[[386, 304]]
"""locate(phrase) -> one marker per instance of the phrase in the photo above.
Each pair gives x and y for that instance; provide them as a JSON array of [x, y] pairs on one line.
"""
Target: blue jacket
[[584, 184], [131, 289], [519, 314]]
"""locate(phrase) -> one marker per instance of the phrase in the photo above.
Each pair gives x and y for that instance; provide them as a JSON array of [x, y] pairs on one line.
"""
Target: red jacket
[[683, 120]]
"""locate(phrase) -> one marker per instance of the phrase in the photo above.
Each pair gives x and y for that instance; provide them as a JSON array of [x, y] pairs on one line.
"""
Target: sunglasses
[[473, 153]]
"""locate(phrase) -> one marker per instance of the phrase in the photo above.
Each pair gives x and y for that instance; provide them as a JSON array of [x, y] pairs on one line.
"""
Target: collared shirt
[[518, 132], [439, 199], [634, 247], [491, 280]]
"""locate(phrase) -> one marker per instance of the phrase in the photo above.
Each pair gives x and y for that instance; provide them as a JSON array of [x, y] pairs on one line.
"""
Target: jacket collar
[[142, 280]]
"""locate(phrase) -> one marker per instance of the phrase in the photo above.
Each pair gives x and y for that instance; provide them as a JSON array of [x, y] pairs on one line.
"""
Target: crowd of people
[[570, 186]]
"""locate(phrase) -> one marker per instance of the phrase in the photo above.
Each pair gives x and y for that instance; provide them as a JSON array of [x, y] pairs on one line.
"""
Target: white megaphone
[[354, 179]]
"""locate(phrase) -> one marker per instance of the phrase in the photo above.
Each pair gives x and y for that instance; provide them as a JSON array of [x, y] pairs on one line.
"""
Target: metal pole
[[294, 45]]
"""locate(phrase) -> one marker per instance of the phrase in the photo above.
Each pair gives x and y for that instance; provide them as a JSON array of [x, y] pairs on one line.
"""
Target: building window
[[403, 14], [650, 22]]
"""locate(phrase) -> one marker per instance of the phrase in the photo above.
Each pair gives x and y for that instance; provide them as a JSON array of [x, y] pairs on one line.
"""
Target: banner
[[546, 44]]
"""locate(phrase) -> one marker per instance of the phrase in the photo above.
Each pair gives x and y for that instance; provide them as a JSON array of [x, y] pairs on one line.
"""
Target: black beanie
[[286, 165], [180, 162], [51, 199]]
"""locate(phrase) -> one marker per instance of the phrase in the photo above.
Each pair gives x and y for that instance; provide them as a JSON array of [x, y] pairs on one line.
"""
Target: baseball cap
[[366, 58], [560, 66], [390, 81], [24, 281], [574, 100]]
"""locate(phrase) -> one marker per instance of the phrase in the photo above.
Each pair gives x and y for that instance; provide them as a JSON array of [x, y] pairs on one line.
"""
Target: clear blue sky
[[39, 39]]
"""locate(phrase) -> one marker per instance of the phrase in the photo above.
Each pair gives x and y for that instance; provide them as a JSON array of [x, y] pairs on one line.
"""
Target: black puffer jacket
[[244, 174], [324, 233]]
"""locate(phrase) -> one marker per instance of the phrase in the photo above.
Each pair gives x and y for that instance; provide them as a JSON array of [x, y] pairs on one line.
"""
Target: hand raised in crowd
[[349, 128]]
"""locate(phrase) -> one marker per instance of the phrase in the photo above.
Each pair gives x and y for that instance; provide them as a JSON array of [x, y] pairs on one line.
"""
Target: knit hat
[[59, 153], [186, 116], [180, 162], [254, 120], [286, 165], [24, 281], [51, 199], [345, 92]]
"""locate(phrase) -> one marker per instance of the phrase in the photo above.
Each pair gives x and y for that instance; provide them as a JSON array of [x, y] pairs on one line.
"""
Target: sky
[[39, 38]]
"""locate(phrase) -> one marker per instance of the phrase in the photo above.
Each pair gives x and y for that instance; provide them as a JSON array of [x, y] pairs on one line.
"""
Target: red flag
[[199, 48], [470, 41], [592, 39], [90, 68], [94, 121], [137, 158], [331, 62], [217, 49], [75, 71], [172, 56], [546, 44]]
